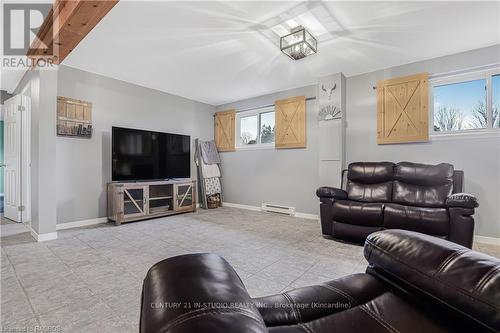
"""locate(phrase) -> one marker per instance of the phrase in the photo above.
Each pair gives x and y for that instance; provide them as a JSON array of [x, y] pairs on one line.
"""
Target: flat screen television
[[148, 155]]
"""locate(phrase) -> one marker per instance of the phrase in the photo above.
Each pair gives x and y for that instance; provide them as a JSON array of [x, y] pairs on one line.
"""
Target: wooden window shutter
[[290, 123], [403, 109], [224, 130]]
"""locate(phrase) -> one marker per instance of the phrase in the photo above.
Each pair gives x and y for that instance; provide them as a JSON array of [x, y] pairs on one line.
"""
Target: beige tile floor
[[89, 279]]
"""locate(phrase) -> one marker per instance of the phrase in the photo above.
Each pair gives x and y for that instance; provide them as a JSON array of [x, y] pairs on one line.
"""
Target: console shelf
[[133, 201]]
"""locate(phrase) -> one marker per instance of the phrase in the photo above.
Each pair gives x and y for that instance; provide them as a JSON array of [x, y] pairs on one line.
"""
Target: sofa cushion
[[362, 288], [423, 196], [370, 172], [421, 184], [380, 192], [444, 273], [370, 181], [358, 213], [424, 174], [433, 221]]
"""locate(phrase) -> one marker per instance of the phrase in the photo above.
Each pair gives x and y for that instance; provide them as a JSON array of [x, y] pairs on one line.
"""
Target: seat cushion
[[358, 213], [432, 221]]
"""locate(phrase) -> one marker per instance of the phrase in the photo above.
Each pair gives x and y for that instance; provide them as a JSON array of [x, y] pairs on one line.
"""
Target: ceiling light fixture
[[298, 44]]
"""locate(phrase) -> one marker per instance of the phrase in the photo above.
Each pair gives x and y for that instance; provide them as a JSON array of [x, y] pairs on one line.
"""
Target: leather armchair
[[412, 196], [413, 283]]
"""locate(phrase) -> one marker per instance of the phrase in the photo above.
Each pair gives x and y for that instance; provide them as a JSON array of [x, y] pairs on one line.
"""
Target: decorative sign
[[328, 109], [74, 118]]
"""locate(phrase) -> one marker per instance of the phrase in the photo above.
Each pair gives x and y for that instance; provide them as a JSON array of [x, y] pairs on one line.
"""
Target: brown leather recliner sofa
[[383, 195], [413, 283]]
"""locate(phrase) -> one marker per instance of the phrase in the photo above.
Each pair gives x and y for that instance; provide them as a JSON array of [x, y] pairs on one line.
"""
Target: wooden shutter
[[290, 125], [224, 130], [403, 109]]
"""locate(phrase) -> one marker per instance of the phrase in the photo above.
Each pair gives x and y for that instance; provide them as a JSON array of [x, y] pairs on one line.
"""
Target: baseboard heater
[[279, 209]]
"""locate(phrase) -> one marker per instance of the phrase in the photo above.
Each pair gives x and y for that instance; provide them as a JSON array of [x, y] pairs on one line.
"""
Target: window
[[466, 103], [495, 88], [255, 128]]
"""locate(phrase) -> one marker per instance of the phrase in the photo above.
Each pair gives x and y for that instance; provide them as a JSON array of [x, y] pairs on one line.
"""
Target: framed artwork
[[74, 118]]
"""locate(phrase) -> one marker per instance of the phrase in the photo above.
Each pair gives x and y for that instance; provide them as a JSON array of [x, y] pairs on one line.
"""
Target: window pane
[[248, 130], [460, 106], [495, 84], [267, 127]]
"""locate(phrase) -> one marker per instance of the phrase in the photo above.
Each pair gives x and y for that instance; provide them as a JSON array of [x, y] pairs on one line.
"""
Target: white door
[[12, 158]]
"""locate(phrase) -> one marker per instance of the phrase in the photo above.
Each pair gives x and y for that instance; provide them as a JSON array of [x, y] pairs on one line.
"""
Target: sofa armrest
[[331, 192], [438, 270], [197, 293], [464, 200]]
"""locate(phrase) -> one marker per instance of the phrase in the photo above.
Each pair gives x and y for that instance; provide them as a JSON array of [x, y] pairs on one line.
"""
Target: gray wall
[[478, 157], [290, 177], [287, 176], [83, 165]]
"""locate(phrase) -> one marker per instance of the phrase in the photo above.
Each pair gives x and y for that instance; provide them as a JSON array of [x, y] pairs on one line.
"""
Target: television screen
[[147, 155]]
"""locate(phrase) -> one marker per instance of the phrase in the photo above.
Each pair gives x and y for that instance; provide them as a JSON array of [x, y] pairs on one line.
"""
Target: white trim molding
[[487, 240], [81, 223], [259, 209], [247, 207], [42, 237]]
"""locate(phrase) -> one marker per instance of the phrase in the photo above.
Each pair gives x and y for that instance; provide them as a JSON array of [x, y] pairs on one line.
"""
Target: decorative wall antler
[[329, 93]]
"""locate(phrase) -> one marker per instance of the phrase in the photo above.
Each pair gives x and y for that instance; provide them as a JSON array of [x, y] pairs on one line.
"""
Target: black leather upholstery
[[414, 283], [331, 192], [412, 196], [432, 221], [464, 200], [370, 172], [192, 293], [360, 213], [448, 273]]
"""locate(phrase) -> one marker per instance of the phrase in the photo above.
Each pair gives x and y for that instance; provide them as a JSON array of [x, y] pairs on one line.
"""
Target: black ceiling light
[[298, 44]]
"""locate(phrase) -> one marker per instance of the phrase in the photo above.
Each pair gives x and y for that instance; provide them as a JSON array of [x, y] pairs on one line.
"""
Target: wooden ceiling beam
[[66, 26]]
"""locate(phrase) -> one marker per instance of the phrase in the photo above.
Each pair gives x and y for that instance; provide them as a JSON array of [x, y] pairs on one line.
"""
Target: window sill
[[261, 147], [473, 134]]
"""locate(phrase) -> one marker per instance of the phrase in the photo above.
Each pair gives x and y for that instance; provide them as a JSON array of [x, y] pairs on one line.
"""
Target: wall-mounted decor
[[331, 125], [225, 123], [329, 112], [74, 118], [291, 122], [403, 109]]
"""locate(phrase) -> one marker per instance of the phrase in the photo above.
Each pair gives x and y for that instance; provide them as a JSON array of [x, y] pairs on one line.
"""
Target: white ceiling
[[218, 52]]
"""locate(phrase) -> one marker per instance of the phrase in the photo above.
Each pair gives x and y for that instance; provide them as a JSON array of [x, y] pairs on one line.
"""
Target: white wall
[[41, 87], [84, 166], [479, 158]]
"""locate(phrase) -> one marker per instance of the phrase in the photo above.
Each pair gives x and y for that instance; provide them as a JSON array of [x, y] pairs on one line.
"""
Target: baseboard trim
[[42, 237], [240, 206], [81, 223], [487, 240], [259, 209], [307, 216]]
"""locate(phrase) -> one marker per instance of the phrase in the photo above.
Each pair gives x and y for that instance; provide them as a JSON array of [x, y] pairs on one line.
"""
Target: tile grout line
[[24, 291]]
